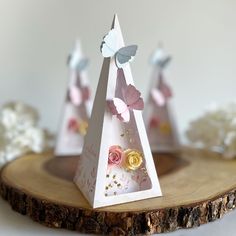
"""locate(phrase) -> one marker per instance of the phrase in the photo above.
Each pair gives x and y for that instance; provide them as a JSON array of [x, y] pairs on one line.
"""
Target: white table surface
[[14, 224]]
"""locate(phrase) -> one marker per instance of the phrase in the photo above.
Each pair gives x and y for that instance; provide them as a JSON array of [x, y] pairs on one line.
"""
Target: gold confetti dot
[[144, 170], [107, 176]]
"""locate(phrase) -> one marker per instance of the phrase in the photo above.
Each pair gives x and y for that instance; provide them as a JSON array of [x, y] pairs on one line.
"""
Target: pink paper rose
[[115, 155], [154, 122], [72, 125]]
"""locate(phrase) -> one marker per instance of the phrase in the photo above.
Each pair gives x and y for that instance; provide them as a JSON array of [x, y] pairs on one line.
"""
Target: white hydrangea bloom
[[19, 133], [230, 145], [216, 129], [34, 138]]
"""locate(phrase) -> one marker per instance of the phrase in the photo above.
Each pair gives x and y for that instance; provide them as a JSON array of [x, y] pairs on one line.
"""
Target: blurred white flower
[[19, 133], [216, 130], [17, 115]]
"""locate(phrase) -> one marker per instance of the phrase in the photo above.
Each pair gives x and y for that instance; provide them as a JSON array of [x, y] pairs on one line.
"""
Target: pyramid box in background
[[116, 165], [158, 113], [76, 111]]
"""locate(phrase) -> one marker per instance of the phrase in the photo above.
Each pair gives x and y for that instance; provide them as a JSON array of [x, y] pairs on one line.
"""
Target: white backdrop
[[36, 36]]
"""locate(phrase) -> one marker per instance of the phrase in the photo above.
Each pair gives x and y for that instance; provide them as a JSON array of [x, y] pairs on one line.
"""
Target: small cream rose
[[133, 159]]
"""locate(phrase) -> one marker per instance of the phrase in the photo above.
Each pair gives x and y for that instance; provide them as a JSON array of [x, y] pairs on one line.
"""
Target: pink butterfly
[[77, 96], [131, 101], [160, 96]]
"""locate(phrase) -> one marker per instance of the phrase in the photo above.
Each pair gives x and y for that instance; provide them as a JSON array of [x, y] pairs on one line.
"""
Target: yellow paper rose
[[133, 159], [165, 128], [83, 128]]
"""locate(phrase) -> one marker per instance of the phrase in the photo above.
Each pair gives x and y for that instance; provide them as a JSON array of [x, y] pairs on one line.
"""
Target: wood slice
[[198, 187]]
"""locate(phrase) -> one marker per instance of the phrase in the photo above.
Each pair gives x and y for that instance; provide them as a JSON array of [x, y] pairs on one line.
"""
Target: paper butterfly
[[76, 63], [160, 58], [77, 96], [110, 48], [131, 101], [160, 96]]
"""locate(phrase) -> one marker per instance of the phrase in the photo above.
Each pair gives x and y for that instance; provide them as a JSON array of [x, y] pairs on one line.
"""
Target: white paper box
[[103, 184], [76, 112], [159, 119]]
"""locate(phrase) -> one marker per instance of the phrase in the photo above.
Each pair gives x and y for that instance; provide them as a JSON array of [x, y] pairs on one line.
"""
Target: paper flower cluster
[[130, 158], [19, 133], [216, 130], [77, 126]]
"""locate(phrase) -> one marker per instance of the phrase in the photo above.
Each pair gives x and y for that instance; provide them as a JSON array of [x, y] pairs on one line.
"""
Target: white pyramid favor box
[[116, 165], [158, 113], [76, 110]]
